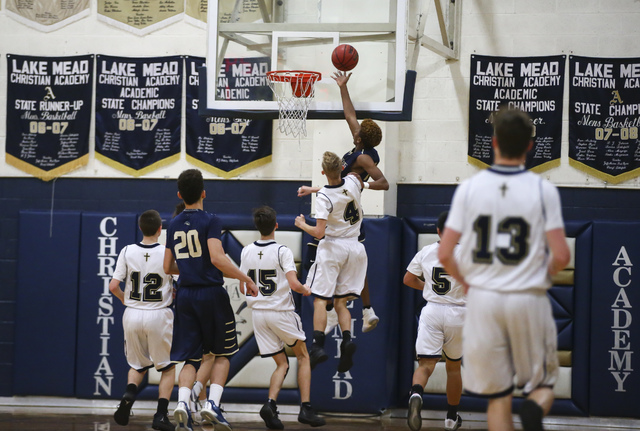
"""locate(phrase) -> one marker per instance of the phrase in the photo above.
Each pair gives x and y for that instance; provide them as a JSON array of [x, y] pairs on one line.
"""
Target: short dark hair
[[442, 219], [149, 222], [190, 185], [264, 218], [513, 130]]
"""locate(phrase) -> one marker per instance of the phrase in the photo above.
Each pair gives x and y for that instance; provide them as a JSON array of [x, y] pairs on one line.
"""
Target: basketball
[[344, 57]]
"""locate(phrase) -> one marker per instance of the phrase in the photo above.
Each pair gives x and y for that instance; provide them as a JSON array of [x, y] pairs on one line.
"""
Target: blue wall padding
[[583, 233], [615, 322], [371, 383], [45, 337], [101, 370], [566, 315]]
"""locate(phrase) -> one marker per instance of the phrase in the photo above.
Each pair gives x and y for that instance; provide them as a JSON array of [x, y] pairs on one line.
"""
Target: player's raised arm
[[316, 231], [379, 181], [341, 79]]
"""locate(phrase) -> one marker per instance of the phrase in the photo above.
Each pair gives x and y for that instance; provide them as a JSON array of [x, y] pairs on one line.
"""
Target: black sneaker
[[414, 419], [347, 349], [309, 416], [317, 355], [531, 415], [269, 414], [161, 422], [121, 416]]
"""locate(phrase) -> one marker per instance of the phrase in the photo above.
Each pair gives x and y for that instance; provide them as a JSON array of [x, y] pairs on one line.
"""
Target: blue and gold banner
[[48, 113], [138, 112], [228, 147], [604, 117], [531, 84]]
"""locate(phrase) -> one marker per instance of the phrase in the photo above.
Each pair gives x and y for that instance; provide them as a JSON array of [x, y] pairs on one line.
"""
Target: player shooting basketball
[[363, 159]]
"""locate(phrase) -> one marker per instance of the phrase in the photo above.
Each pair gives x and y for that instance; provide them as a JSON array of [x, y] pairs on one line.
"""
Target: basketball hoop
[[294, 91]]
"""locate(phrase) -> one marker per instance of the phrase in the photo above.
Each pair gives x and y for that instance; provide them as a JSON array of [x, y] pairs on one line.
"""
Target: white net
[[294, 91]]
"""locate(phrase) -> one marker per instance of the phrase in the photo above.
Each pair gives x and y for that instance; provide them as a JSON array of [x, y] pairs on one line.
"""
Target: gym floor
[[70, 414]]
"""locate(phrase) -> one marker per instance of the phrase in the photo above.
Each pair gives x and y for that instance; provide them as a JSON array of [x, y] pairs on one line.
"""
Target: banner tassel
[[53, 193]]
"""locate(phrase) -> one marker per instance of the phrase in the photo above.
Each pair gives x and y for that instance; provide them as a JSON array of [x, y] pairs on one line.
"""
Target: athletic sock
[[452, 412], [366, 306], [318, 338], [163, 406], [184, 394], [417, 389], [346, 336], [215, 393], [197, 388]]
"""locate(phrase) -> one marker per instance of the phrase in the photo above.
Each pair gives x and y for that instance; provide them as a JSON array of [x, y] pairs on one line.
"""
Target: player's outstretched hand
[[300, 221], [304, 191], [306, 290], [341, 77]]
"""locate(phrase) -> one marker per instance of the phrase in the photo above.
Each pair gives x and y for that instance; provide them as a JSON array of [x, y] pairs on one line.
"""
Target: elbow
[[385, 185]]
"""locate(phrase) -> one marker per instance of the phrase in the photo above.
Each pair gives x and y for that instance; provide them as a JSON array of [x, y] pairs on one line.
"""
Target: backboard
[[301, 35]]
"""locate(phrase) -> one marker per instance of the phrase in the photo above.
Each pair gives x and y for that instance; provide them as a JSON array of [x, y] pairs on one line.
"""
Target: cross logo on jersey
[[146, 257], [503, 188]]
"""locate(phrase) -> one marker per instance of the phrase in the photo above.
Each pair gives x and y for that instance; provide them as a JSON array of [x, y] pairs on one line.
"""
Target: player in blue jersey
[[204, 320], [363, 160]]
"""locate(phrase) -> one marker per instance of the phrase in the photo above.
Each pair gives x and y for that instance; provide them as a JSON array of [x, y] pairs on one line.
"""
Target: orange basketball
[[344, 57]]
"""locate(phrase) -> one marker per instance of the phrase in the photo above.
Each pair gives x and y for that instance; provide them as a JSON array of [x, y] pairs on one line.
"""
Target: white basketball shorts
[[508, 335], [339, 269], [147, 337], [440, 329], [273, 329]]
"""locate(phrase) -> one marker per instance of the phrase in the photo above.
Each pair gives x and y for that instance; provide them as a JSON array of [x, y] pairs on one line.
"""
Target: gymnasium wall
[[431, 148]]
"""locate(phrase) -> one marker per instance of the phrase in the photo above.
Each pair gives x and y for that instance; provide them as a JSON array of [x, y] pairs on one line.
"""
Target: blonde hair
[[331, 164], [370, 133]]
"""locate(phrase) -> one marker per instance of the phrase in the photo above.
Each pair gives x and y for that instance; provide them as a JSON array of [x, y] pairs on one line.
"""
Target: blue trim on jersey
[[494, 395], [507, 169], [157, 244], [263, 244], [336, 186], [327, 199]]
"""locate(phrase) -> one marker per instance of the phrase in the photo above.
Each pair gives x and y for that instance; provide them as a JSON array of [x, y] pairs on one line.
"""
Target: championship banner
[[604, 117], [228, 147], [140, 17], [48, 113], [47, 15], [531, 84], [196, 12], [138, 112]]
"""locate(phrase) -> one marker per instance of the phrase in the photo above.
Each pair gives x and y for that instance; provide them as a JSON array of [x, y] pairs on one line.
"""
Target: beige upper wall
[[432, 148]]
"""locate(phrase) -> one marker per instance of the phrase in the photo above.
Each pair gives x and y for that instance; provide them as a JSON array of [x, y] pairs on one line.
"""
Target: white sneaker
[[451, 425], [332, 321], [369, 319]]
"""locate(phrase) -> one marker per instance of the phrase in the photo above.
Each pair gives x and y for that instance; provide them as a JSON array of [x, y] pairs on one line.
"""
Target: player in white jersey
[[341, 261], [439, 330], [275, 322], [509, 225], [147, 320]]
